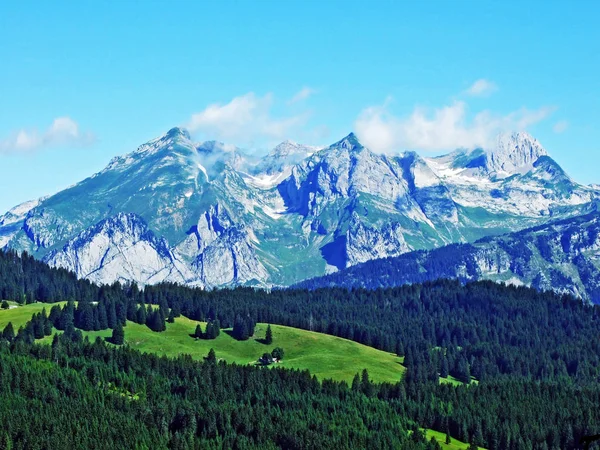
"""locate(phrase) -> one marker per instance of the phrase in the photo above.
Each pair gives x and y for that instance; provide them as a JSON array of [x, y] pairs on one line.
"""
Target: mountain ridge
[[563, 256], [229, 218]]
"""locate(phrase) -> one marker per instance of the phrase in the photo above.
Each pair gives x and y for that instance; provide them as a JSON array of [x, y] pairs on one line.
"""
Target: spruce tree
[[9, 332], [240, 329], [269, 336], [356, 383], [198, 332], [212, 357], [5, 304], [444, 367], [141, 315], [366, 385], [171, 318], [118, 335], [209, 333]]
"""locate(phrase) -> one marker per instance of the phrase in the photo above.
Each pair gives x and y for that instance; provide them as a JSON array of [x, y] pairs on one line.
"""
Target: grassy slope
[[441, 438], [323, 355], [20, 315]]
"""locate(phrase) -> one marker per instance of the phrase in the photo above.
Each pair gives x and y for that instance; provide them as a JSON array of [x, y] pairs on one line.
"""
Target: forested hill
[[561, 256], [532, 360], [487, 328]]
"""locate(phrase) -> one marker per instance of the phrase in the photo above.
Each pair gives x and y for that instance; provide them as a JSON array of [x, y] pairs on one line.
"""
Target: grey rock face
[[207, 214]]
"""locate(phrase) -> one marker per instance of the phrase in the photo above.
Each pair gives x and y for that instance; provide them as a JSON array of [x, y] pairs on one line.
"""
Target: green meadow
[[441, 438], [323, 355]]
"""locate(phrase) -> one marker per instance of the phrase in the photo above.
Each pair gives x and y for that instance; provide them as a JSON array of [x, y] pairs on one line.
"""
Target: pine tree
[[5, 304], [240, 329], [171, 318], [212, 357], [418, 437], [365, 384], [448, 439], [141, 315], [269, 336], [434, 444], [462, 370], [209, 333], [118, 335], [9, 332], [198, 333], [444, 371], [111, 315], [356, 383]]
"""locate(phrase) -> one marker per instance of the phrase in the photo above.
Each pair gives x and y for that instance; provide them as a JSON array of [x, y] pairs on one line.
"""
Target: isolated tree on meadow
[[240, 329], [269, 336], [198, 332], [5, 304]]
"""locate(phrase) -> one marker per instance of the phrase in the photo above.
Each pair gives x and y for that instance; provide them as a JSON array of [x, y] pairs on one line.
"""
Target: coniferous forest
[[529, 363]]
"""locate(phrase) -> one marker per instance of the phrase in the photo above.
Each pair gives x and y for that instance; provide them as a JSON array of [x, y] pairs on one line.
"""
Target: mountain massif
[[209, 214], [561, 256]]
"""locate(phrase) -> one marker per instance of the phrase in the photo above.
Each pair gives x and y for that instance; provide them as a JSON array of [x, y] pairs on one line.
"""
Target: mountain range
[[210, 214], [562, 256]]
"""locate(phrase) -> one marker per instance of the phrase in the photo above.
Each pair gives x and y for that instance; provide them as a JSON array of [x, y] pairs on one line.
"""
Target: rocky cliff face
[[120, 248], [206, 214]]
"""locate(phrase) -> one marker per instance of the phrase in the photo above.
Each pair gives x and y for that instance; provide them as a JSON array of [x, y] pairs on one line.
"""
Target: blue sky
[[81, 82]]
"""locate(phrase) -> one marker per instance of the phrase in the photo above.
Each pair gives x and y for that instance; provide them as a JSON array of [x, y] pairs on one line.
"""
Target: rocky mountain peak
[[177, 133], [350, 142], [514, 153]]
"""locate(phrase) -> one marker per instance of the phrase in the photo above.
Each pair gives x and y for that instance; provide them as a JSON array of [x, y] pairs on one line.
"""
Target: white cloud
[[245, 119], [302, 94], [560, 126], [62, 131], [481, 88], [444, 128]]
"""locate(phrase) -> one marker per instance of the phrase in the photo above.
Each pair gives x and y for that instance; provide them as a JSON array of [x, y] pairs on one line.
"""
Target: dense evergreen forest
[[535, 356]]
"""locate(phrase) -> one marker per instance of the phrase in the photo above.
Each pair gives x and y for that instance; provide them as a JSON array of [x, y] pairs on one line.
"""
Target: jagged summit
[[514, 153], [177, 132], [510, 154], [350, 142], [206, 214]]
